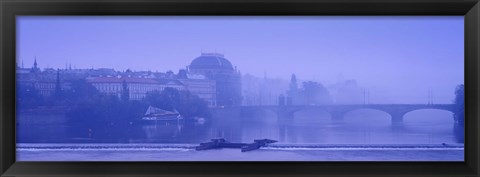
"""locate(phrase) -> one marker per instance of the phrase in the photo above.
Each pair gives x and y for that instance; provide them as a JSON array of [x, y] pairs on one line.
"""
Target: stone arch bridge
[[337, 112]]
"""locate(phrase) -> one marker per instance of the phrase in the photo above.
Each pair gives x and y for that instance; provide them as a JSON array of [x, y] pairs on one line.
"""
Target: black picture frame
[[10, 8]]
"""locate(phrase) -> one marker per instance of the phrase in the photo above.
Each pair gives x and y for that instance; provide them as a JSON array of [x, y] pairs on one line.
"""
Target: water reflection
[[304, 129], [162, 130]]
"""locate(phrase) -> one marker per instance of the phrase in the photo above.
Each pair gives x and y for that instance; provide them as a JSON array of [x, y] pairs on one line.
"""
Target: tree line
[[87, 106], [309, 94]]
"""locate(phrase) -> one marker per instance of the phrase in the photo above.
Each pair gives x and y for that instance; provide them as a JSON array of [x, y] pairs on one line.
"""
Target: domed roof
[[211, 61]]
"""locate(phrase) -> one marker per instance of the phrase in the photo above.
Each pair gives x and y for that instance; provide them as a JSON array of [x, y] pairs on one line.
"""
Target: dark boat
[[222, 143]]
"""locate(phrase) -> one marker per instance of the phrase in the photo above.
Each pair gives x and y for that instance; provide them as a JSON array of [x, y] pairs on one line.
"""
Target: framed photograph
[[255, 88]]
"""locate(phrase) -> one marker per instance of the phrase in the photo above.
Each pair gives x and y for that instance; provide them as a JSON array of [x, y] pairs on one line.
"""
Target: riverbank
[[186, 152]]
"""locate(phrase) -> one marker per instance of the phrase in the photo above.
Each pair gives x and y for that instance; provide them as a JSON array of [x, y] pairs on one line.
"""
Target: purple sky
[[399, 57]]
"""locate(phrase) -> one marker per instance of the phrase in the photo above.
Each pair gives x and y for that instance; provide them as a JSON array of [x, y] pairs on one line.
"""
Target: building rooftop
[[211, 61], [121, 79]]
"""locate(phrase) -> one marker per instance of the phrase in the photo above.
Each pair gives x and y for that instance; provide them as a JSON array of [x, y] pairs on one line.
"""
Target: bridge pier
[[397, 119], [337, 116], [337, 112], [397, 122]]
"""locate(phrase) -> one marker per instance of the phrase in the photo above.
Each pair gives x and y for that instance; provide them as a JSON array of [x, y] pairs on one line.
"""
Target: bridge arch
[[371, 115], [427, 122], [432, 115], [337, 112]]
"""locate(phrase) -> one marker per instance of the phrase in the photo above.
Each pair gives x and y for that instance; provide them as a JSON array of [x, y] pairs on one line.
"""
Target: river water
[[366, 128]]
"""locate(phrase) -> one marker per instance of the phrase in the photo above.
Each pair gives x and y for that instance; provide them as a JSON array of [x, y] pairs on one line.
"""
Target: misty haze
[[319, 85]]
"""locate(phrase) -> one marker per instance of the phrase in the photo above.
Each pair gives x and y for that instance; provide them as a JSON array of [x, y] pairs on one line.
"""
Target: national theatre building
[[216, 67]]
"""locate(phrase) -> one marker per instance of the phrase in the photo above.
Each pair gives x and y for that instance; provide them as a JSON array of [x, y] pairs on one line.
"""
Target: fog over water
[[309, 127], [398, 59], [334, 60]]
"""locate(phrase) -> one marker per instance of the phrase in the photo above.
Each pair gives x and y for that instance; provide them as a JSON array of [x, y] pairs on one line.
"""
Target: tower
[[292, 93], [58, 87], [35, 66]]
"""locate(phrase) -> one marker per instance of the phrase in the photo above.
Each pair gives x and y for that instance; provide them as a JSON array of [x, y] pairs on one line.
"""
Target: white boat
[[157, 114]]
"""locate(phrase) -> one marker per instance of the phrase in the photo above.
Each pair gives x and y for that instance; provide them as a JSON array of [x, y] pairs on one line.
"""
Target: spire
[[35, 63], [35, 66], [58, 87], [293, 86], [293, 82]]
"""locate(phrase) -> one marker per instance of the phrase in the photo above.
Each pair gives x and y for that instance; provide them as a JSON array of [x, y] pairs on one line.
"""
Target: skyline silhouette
[[387, 55]]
